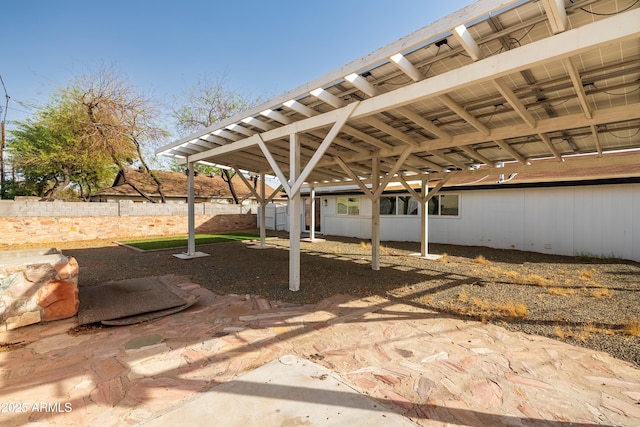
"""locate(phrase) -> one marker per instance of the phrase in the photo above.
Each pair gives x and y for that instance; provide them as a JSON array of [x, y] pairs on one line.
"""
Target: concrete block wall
[[49, 222]]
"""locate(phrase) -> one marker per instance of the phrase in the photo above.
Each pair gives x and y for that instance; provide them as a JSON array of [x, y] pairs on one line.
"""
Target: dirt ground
[[594, 303]]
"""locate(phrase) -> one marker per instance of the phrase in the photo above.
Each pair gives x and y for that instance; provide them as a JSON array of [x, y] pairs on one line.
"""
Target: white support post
[[312, 225], [424, 219], [263, 211], [295, 211], [191, 218], [375, 215]]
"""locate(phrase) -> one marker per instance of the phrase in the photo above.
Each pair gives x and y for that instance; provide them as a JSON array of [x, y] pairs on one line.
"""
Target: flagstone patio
[[430, 368]]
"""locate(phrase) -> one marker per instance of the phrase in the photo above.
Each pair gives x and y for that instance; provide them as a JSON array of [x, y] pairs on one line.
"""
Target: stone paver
[[431, 368]]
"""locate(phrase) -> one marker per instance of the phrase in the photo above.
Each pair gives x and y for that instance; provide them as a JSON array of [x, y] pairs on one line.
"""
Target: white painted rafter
[[572, 69], [464, 37], [362, 84], [556, 14], [460, 111], [327, 98], [274, 115], [513, 100], [407, 67], [298, 107]]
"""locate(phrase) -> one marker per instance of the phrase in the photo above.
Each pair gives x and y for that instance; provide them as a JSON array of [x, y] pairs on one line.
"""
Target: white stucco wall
[[600, 220]]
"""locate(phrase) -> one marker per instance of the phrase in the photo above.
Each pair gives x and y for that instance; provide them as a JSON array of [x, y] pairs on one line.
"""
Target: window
[[348, 206], [444, 205], [388, 205], [399, 205]]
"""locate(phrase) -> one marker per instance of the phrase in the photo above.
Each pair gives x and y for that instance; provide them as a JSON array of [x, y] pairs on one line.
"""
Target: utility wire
[[7, 97]]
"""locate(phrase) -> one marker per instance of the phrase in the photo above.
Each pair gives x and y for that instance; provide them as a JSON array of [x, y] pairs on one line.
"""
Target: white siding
[[602, 220]]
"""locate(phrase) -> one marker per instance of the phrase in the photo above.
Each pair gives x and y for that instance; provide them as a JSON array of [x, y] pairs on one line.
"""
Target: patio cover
[[496, 84]]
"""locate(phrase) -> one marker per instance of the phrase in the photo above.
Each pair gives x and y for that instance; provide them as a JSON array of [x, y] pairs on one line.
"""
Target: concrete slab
[[191, 256], [314, 240], [286, 391], [432, 257]]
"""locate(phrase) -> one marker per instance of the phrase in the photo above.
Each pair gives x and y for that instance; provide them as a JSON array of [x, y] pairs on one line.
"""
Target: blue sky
[[261, 48]]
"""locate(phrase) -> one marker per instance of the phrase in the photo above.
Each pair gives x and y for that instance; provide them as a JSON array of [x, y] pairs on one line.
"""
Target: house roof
[[174, 185], [498, 81]]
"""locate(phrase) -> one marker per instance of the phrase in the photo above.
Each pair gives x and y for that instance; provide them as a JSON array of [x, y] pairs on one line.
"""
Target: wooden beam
[[513, 100], [572, 69], [407, 67], [354, 177], [298, 107], [240, 129], [249, 186], [274, 166], [556, 14], [476, 156], [596, 138], [446, 158], [464, 37], [366, 137], [362, 84], [257, 123], [378, 191], [226, 135], [460, 111], [343, 143], [375, 214], [295, 211], [423, 123], [346, 113], [274, 115], [552, 147], [380, 125], [411, 191], [424, 162], [328, 98], [509, 149], [439, 185]]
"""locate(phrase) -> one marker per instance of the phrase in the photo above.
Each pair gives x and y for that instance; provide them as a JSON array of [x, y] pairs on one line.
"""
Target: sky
[[260, 48]]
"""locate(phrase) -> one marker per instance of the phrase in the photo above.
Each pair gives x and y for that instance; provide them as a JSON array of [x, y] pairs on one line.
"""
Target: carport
[[497, 84]]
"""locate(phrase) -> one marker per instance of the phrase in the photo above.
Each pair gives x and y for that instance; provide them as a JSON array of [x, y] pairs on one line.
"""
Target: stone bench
[[37, 285]]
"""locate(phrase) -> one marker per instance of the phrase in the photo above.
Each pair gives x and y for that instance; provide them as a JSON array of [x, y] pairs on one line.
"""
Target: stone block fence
[[28, 221]]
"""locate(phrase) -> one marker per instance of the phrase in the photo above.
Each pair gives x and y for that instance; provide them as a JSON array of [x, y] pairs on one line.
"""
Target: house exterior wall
[[595, 220]]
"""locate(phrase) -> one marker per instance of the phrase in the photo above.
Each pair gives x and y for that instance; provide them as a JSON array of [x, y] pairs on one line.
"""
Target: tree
[[50, 154], [118, 120], [207, 103], [99, 123]]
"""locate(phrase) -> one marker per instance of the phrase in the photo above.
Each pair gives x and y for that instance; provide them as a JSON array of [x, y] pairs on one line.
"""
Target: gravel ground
[[593, 303]]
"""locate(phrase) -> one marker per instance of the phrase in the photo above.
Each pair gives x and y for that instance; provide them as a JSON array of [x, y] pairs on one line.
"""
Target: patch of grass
[[586, 275], [481, 260], [633, 328], [601, 293], [182, 241], [443, 258], [463, 296], [559, 332], [561, 291], [485, 308], [537, 280], [512, 276]]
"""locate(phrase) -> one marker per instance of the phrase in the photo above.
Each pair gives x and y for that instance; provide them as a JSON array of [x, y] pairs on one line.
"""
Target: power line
[[7, 97]]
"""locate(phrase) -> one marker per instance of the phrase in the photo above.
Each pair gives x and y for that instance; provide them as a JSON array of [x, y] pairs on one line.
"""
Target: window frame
[[439, 205], [352, 203]]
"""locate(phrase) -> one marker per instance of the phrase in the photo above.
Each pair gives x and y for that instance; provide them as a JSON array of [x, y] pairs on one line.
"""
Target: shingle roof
[[174, 185]]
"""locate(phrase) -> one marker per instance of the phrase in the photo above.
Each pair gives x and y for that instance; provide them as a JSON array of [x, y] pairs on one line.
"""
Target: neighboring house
[[591, 212], [207, 188]]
